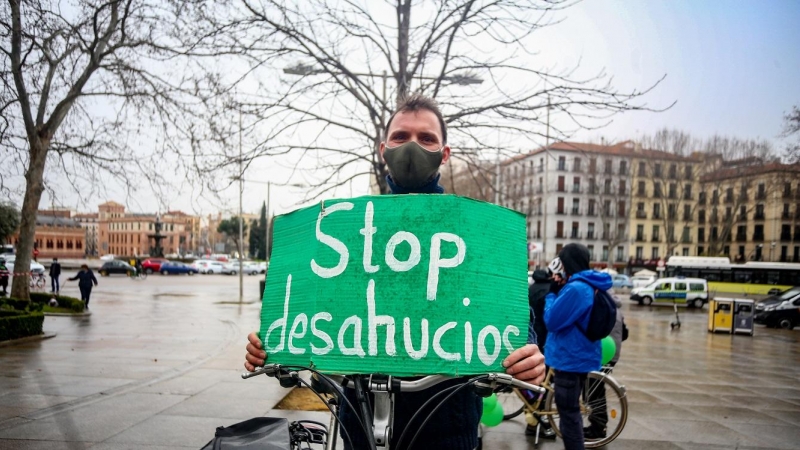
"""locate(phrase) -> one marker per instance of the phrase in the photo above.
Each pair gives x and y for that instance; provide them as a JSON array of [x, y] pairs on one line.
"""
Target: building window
[[590, 231], [687, 172], [561, 183], [576, 206], [621, 208], [641, 191], [562, 163], [591, 252], [642, 169], [657, 190], [620, 254], [605, 253], [657, 170], [639, 252], [577, 165], [608, 166], [623, 168], [654, 253], [559, 229], [656, 210], [656, 233]]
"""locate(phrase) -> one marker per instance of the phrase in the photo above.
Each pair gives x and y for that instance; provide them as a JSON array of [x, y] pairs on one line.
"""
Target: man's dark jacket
[[55, 270], [85, 279], [455, 424], [536, 294]]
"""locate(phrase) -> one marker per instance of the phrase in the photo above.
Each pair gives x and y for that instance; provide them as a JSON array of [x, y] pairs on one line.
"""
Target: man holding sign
[[415, 148]]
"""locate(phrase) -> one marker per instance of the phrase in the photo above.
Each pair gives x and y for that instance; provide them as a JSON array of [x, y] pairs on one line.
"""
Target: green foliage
[[19, 324], [230, 227], [72, 303], [16, 304], [9, 220]]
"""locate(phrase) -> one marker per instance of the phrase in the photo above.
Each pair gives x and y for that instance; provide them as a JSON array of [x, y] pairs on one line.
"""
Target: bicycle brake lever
[[269, 370]]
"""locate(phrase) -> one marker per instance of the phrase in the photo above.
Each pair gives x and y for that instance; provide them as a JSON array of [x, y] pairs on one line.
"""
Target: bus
[[753, 277]]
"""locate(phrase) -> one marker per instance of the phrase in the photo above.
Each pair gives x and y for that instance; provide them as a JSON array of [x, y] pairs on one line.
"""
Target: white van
[[690, 291]]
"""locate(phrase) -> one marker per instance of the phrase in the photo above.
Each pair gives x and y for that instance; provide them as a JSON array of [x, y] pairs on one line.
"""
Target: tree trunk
[[403, 24], [34, 186]]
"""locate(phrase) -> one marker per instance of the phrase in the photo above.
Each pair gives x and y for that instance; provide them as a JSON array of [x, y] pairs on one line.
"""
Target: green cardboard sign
[[397, 284]]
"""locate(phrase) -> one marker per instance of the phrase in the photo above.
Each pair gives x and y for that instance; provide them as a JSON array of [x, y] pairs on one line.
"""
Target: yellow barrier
[[743, 288]]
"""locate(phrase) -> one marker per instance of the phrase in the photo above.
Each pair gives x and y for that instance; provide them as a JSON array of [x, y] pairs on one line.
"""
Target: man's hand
[[526, 364], [255, 356]]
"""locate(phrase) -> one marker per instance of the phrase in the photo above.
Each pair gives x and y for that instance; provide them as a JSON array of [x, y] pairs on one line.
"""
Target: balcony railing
[[590, 235], [759, 216], [560, 235], [575, 235], [591, 212], [641, 193], [641, 214], [786, 215], [758, 237], [561, 167], [576, 189], [576, 211], [701, 219], [641, 238], [623, 171], [560, 211], [656, 238], [742, 217], [687, 195], [656, 215], [786, 237], [761, 195], [700, 239], [687, 217], [686, 239]]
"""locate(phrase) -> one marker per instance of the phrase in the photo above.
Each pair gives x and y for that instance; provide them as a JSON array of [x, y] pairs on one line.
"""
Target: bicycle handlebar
[[492, 379]]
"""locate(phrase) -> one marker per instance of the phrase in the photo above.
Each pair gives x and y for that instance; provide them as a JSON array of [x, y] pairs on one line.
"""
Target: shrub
[[72, 303], [20, 324], [16, 304]]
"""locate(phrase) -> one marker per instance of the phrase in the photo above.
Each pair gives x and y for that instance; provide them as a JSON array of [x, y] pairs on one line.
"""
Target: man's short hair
[[416, 102]]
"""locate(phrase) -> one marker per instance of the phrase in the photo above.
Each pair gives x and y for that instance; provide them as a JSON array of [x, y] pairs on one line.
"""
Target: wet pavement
[[157, 365]]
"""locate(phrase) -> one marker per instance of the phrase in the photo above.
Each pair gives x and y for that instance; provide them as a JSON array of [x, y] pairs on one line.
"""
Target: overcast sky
[[732, 67]]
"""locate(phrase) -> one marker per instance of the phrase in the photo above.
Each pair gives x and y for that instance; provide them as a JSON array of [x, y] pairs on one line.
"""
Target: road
[[157, 366]]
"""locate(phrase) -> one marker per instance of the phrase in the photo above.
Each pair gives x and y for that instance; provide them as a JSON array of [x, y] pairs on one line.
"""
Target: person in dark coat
[[3, 276], [55, 272], [536, 294], [86, 281]]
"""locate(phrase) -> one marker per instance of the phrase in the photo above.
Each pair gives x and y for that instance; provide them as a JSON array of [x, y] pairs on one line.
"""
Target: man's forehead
[[420, 120]]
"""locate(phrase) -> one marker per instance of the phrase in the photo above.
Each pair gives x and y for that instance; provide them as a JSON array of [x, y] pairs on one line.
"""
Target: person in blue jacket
[[568, 350]]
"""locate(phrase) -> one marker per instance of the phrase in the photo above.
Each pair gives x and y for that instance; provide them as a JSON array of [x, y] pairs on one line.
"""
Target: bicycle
[[611, 408], [138, 275], [383, 388], [37, 281]]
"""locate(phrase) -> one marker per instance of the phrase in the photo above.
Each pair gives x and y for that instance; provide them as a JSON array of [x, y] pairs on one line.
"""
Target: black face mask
[[410, 165]]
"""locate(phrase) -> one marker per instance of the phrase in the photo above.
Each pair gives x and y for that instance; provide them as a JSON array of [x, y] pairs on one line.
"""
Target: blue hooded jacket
[[567, 348]]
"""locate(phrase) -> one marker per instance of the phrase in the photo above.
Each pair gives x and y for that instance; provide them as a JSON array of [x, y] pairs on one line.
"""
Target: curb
[[83, 314], [25, 340]]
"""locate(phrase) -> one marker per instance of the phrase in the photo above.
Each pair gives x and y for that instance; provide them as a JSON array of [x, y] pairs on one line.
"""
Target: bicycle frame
[[384, 388]]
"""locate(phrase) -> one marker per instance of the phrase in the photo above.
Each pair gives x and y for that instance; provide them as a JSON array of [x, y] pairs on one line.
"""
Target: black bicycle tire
[[514, 414], [623, 400]]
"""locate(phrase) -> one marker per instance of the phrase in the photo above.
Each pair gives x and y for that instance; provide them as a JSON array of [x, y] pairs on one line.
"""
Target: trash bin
[[720, 315], [743, 311], [261, 285]]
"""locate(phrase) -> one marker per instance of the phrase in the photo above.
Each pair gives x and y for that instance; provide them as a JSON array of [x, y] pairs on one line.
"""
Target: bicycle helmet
[[555, 267]]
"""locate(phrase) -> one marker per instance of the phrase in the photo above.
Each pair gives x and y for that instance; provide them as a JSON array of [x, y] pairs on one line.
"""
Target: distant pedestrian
[[537, 334], [55, 272], [3, 276], [86, 281]]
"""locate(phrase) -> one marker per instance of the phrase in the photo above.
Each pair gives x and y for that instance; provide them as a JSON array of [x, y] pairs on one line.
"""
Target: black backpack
[[602, 318]]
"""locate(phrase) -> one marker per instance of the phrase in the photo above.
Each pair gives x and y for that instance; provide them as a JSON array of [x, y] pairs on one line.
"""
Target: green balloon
[[609, 349], [490, 402], [492, 417]]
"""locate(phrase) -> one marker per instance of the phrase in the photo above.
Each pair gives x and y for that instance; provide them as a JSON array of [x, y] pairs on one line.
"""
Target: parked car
[[248, 268], [262, 267], [176, 268], [151, 265], [116, 267], [622, 281], [690, 291], [108, 257], [207, 266], [35, 266], [781, 310]]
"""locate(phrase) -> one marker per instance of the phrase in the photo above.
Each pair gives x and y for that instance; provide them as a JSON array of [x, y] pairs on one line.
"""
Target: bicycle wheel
[[40, 282], [510, 402], [603, 401]]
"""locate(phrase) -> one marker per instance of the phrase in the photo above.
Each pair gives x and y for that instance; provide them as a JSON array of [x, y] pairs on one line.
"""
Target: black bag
[[624, 331], [260, 433], [602, 318]]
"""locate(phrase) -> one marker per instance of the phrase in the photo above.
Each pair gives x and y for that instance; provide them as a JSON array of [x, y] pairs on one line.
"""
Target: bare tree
[[319, 72], [78, 82], [791, 128]]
